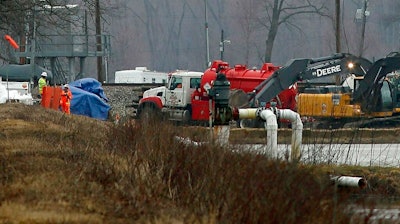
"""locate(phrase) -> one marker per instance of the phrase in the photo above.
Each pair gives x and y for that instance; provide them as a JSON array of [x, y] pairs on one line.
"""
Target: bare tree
[[279, 12], [167, 31], [16, 14], [247, 20]]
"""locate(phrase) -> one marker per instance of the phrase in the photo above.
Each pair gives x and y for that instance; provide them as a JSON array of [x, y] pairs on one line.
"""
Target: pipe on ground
[[271, 125], [347, 181], [297, 131]]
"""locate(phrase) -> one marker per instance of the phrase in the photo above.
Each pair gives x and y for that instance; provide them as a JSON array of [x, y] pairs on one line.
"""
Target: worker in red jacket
[[65, 101]]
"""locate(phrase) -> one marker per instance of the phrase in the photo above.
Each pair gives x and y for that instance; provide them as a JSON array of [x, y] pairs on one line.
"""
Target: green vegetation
[[56, 168]]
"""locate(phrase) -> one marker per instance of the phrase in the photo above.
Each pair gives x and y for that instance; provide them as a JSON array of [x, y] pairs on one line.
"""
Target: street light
[[222, 47], [222, 44]]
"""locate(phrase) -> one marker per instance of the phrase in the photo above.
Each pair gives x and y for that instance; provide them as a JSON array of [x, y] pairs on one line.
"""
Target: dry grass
[[72, 169]]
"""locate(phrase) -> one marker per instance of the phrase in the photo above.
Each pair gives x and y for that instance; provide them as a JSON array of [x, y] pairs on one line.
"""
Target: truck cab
[[180, 87], [174, 99]]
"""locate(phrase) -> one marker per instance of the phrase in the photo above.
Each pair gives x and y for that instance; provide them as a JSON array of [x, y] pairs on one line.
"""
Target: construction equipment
[[304, 70], [371, 102], [203, 96], [301, 72], [243, 82], [180, 100], [174, 99], [197, 97]]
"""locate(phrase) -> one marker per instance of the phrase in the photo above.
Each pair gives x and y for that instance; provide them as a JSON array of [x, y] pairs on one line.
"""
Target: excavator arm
[[306, 69]]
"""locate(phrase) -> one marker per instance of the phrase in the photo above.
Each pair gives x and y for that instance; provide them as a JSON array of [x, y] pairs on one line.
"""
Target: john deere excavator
[[371, 100]]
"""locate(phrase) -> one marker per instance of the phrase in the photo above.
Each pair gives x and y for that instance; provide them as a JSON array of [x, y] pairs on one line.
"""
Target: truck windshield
[[176, 82]]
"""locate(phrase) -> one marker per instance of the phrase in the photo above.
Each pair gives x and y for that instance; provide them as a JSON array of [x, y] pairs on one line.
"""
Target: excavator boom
[[306, 69], [280, 80]]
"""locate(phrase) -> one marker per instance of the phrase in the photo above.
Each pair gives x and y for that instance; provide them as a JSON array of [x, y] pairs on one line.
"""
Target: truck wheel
[[149, 113]]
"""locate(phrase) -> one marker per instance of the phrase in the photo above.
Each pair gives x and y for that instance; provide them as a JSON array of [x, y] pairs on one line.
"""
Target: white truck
[[174, 99]]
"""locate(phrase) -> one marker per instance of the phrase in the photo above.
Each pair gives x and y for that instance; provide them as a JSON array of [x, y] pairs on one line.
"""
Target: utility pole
[[206, 29], [221, 45], [363, 22], [338, 43], [99, 42], [33, 41]]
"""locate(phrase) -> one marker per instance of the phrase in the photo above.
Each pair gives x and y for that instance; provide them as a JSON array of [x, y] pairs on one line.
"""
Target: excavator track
[[353, 123]]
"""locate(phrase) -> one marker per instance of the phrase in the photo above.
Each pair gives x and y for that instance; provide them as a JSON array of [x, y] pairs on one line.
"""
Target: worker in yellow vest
[[42, 82]]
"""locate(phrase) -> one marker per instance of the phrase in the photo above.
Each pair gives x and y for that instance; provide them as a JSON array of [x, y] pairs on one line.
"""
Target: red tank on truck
[[192, 97]]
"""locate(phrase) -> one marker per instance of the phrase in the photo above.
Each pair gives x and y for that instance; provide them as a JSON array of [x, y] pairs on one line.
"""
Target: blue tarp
[[88, 99], [90, 85]]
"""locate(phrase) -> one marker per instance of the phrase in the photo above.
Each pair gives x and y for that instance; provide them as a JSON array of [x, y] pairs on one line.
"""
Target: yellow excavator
[[370, 96], [371, 100]]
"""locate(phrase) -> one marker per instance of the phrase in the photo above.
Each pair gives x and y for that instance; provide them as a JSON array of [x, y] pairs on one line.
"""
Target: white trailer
[[141, 75], [13, 91]]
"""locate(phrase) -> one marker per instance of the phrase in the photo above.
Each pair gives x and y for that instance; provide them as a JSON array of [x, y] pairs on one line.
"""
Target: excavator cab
[[394, 80]]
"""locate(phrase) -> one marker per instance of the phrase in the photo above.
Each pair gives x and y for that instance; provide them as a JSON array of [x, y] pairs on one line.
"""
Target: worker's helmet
[[66, 86], [44, 74]]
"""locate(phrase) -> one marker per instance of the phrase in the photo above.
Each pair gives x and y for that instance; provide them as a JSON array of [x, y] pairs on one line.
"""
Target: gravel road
[[120, 97]]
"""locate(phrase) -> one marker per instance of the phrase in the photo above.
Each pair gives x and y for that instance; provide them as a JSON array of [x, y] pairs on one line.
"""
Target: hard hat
[[66, 86], [44, 74]]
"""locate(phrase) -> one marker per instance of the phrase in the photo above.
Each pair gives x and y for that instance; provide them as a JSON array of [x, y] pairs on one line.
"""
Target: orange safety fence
[[51, 97]]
